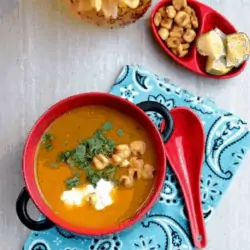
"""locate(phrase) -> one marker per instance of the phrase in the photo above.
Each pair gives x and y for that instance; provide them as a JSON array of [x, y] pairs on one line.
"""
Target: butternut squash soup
[[95, 166]]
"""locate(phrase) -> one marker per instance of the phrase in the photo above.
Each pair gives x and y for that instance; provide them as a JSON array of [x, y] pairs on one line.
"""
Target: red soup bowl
[[31, 189]]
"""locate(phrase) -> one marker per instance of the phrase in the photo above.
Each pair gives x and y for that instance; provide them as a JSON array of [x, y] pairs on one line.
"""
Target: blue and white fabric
[[166, 225]]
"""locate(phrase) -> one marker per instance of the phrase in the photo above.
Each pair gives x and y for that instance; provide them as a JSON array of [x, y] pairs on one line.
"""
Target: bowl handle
[[164, 112], [22, 213]]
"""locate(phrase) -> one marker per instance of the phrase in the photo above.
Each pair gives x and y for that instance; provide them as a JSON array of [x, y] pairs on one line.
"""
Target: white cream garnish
[[76, 196]]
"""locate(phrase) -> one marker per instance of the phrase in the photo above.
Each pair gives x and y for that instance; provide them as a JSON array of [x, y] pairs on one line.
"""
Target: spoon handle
[[191, 191], [195, 214]]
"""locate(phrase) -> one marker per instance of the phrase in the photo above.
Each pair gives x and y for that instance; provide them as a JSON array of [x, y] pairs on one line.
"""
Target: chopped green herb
[[108, 172], [66, 143], [99, 144], [48, 137], [64, 156], [48, 147], [47, 141], [107, 126], [93, 176], [81, 152], [54, 165], [73, 182], [120, 132], [71, 162], [81, 157]]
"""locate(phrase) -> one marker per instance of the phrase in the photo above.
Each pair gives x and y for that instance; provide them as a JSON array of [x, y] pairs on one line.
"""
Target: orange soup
[[95, 166]]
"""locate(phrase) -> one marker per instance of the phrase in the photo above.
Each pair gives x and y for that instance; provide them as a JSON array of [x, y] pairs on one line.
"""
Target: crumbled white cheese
[[103, 193], [76, 196]]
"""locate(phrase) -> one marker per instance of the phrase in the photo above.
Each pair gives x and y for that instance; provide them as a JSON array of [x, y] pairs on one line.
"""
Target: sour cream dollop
[[77, 196]]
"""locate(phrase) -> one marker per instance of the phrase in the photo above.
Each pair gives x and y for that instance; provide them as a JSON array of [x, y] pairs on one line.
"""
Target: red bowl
[[208, 20], [31, 189]]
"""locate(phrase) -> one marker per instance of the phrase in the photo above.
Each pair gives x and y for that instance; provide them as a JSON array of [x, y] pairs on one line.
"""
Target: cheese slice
[[217, 67], [211, 44], [238, 49], [222, 35]]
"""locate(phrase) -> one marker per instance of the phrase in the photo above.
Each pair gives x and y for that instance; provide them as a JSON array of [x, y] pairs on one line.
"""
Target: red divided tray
[[208, 20]]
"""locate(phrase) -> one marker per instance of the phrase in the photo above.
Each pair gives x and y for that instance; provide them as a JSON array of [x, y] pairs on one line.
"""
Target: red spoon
[[185, 151], [208, 20]]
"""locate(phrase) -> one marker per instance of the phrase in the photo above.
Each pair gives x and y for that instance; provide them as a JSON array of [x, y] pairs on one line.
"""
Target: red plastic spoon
[[185, 151]]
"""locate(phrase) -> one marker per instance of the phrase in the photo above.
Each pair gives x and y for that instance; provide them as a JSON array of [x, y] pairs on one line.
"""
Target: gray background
[[46, 55]]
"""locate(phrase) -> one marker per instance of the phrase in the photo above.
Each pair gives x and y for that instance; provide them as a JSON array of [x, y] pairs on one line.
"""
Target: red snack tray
[[208, 20]]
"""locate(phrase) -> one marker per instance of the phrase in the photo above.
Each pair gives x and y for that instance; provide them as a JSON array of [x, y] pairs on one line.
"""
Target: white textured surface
[[46, 55]]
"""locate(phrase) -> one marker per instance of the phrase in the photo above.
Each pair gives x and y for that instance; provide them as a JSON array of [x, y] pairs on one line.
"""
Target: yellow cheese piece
[[222, 35], [211, 44], [238, 49], [217, 67]]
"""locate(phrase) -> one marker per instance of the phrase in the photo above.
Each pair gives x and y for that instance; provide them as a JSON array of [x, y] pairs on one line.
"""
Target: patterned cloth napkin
[[166, 225]]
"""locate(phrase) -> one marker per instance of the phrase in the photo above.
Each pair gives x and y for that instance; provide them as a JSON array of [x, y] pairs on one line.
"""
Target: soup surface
[[64, 163]]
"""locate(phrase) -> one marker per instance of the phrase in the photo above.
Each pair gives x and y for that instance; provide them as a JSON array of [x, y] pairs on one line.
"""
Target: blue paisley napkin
[[166, 225]]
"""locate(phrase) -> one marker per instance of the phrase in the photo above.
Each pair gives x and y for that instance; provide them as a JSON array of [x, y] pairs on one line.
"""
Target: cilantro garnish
[[107, 126], [47, 140], [74, 181], [81, 157], [93, 176], [120, 132]]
